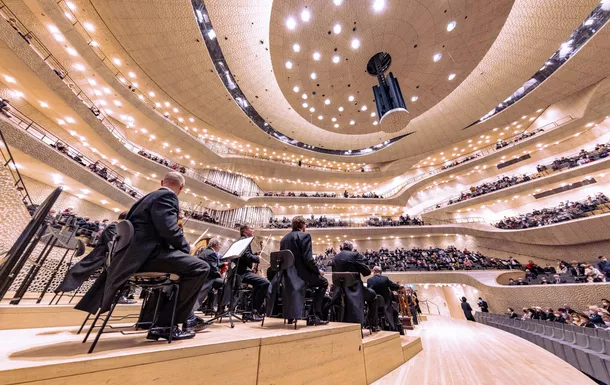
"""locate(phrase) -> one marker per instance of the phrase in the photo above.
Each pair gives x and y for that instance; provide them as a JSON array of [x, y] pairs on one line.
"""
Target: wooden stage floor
[[466, 353]]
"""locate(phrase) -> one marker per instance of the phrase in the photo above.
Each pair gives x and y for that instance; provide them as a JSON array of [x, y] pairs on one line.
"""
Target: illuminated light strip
[[215, 52]]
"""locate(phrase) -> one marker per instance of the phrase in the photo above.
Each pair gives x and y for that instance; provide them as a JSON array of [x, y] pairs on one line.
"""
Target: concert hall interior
[[408, 192]]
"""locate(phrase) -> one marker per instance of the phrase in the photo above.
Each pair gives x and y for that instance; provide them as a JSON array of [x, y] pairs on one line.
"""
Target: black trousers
[[215, 283], [260, 286], [83, 269], [192, 272], [318, 285], [370, 298]]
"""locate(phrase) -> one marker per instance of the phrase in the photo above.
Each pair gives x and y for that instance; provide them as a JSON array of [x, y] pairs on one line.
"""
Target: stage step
[[382, 354], [410, 346]]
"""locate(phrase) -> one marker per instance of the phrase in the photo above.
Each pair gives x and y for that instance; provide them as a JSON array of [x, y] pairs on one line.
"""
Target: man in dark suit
[[383, 286], [303, 275], [214, 281], [158, 245], [90, 263], [483, 305], [260, 285], [557, 279], [348, 261]]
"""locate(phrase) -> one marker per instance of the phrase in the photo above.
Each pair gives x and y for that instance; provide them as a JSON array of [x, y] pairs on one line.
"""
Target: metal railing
[[99, 168], [453, 221], [11, 165], [428, 303], [491, 149]]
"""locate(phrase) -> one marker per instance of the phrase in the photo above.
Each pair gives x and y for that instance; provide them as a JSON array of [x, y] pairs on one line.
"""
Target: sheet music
[[237, 248]]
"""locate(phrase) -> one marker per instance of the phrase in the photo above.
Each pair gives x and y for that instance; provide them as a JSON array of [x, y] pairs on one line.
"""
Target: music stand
[[234, 252]]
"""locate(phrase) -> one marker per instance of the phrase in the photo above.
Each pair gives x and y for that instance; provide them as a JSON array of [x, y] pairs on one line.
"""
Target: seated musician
[[214, 281], [244, 270], [384, 287], [90, 263], [304, 274], [348, 261], [158, 245]]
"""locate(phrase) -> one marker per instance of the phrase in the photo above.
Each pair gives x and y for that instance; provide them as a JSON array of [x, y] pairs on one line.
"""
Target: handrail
[[453, 221], [12, 166], [217, 147], [428, 303], [491, 149], [47, 57], [37, 131], [546, 171]]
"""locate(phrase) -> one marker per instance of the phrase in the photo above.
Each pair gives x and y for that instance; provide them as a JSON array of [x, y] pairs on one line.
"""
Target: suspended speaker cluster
[[391, 107]]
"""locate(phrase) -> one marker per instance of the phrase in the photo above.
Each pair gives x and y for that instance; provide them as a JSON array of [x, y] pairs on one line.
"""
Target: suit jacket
[[90, 263], [300, 244], [351, 262], [246, 260], [156, 232], [212, 258], [383, 286]]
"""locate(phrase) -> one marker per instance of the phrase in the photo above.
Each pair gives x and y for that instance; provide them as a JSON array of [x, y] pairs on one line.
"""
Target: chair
[[280, 261], [582, 344], [343, 281], [149, 282]]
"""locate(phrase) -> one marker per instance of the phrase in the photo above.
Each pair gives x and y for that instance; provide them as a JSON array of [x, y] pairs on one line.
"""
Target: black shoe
[[290, 321], [315, 320], [195, 324], [126, 301], [177, 333]]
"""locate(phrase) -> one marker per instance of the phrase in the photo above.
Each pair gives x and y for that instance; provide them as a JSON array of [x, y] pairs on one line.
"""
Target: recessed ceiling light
[[336, 59], [338, 2], [88, 26], [351, 98], [340, 109], [373, 114], [116, 61], [451, 26], [327, 102], [312, 109], [336, 125], [305, 15], [296, 47], [414, 98], [44, 105], [9, 79], [304, 96], [291, 23], [375, 123], [351, 122], [71, 51], [355, 43], [364, 108], [437, 57], [305, 105], [296, 89], [289, 64], [313, 76], [334, 119], [337, 29], [151, 94], [316, 56], [451, 77], [378, 5], [320, 117]]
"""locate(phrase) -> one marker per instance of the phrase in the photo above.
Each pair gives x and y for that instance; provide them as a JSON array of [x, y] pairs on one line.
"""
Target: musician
[[214, 281], [244, 271], [158, 246], [303, 275], [384, 287], [90, 263], [348, 261]]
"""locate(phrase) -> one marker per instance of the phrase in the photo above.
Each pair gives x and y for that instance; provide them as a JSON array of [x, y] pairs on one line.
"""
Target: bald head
[[174, 181]]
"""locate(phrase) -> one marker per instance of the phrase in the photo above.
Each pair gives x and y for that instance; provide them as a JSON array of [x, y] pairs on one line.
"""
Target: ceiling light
[[44, 105], [355, 43], [9, 79], [451, 77], [378, 5], [313, 76], [336, 59], [337, 29], [291, 23], [340, 109], [437, 57], [71, 51], [312, 109], [289, 64], [79, 67], [305, 15], [295, 88], [316, 56], [320, 117], [151, 94], [351, 98], [88, 26], [338, 2], [336, 125], [327, 102], [296, 47], [116, 61], [364, 108], [305, 105], [304, 96], [373, 114], [451, 26], [375, 123], [334, 119], [414, 98], [351, 122]]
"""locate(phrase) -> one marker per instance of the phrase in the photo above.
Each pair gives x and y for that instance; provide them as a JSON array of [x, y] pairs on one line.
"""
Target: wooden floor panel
[[466, 353]]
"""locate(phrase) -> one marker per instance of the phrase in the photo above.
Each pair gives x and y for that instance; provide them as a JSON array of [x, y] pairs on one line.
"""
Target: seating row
[[587, 349]]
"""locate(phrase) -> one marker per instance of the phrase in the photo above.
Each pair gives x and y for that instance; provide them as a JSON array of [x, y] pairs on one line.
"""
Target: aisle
[[459, 352]]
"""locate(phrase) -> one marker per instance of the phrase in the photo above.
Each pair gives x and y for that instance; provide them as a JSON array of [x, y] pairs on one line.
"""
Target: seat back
[[281, 260], [582, 340], [597, 345], [121, 240], [590, 332], [569, 336], [344, 280], [603, 334]]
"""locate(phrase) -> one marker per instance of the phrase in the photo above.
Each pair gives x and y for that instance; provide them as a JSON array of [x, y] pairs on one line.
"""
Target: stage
[[248, 354]]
